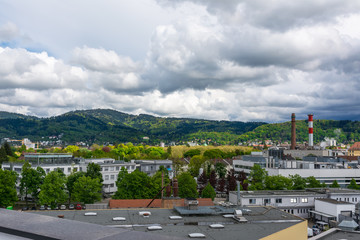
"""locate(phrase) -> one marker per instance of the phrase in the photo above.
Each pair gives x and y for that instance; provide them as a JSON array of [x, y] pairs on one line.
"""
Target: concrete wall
[[333, 209]]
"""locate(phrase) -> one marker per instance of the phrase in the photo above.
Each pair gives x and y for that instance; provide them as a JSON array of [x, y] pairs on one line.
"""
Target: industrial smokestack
[[311, 139], [293, 131]]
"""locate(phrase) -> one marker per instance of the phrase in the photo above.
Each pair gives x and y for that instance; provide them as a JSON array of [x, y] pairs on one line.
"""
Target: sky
[[238, 60]]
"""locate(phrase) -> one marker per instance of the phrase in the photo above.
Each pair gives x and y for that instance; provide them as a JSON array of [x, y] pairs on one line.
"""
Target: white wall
[[333, 209]]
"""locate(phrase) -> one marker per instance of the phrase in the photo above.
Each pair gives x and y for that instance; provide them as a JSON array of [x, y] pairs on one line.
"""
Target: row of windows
[[347, 199], [111, 177], [243, 166], [108, 185], [117, 168], [278, 200], [298, 211]]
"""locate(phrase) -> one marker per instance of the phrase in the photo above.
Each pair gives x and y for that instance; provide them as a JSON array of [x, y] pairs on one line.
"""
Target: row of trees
[[138, 185], [53, 188], [260, 180]]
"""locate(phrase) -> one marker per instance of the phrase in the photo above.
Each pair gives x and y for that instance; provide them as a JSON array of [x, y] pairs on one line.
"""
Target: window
[[111, 168], [252, 201], [69, 169], [132, 167], [127, 167], [75, 169], [293, 200], [111, 185], [267, 200], [117, 168], [278, 200], [304, 200], [106, 168], [106, 177], [292, 211], [47, 170], [81, 169], [112, 177]]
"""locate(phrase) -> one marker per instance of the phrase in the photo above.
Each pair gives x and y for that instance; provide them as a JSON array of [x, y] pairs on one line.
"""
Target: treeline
[[343, 131], [108, 126], [130, 151], [51, 189]]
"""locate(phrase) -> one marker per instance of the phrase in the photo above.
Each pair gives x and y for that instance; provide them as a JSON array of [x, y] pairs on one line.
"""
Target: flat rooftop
[[27, 225], [261, 221], [333, 201]]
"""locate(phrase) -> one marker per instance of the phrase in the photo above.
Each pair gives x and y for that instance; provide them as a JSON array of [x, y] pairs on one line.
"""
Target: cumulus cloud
[[231, 59], [8, 32]]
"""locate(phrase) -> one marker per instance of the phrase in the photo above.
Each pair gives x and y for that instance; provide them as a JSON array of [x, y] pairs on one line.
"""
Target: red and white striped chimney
[[311, 131]]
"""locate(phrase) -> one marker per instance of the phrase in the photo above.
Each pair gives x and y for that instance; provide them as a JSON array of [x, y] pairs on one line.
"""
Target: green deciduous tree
[[53, 189], [208, 192], [71, 149], [277, 183], [213, 154], [31, 181], [191, 153], [93, 171], [257, 178], [187, 186], [136, 185], [313, 183], [298, 183], [70, 181], [8, 193], [353, 185], [196, 162], [334, 184], [87, 190]]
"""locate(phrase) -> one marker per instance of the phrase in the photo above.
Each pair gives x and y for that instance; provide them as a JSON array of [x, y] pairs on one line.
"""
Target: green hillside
[[104, 126], [343, 131], [109, 126]]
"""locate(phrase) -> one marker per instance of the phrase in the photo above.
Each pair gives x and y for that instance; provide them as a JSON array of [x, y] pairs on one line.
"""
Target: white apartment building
[[110, 170]]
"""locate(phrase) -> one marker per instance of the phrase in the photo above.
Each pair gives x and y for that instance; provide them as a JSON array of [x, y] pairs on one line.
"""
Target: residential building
[[150, 167], [110, 168], [354, 150]]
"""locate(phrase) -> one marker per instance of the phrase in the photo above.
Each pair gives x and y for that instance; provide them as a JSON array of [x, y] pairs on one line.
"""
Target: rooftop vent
[[217, 226], [196, 235], [90, 214], [145, 213], [238, 213], [238, 216], [191, 203], [152, 228]]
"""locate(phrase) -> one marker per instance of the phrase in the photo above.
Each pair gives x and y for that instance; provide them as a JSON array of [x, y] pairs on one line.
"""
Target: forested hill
[[110, 126], [343, 131]]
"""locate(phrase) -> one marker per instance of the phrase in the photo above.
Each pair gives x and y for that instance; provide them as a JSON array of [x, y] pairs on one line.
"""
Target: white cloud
[[238, 60]]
